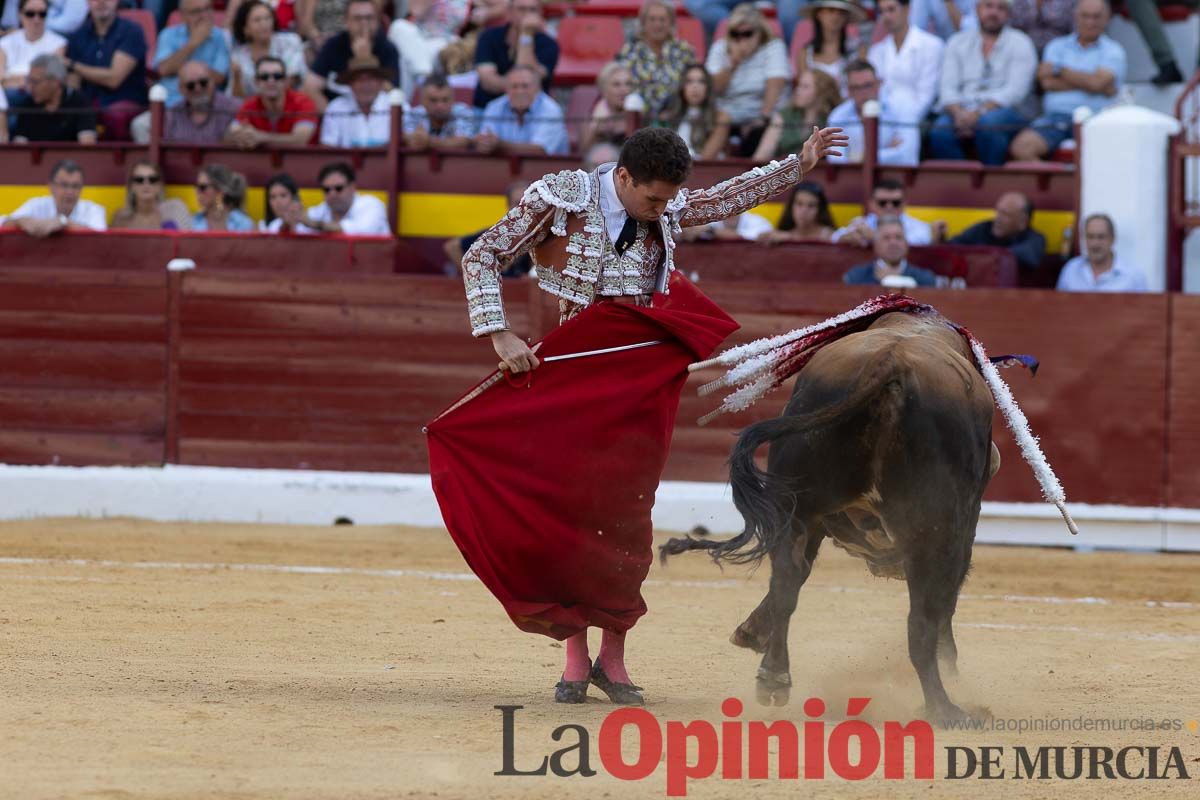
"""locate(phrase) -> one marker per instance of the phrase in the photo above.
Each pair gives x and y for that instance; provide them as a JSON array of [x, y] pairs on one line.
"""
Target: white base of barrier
[[214, 494]]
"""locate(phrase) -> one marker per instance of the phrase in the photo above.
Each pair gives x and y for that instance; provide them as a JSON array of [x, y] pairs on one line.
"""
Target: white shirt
[[86, 213], [276, 226], [916, 233], [344, 124], [610, 204], [1077, 276], [19, 51], [367, 216], [911, 74]]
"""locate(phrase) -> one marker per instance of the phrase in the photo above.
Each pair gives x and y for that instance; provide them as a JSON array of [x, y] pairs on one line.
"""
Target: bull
[[885, 448]]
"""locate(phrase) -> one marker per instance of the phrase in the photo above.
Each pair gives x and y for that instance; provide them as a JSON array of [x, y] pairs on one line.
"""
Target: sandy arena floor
[[145, 660]]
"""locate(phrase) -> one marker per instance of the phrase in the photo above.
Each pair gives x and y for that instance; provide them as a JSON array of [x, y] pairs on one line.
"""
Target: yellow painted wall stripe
[[424, 214]]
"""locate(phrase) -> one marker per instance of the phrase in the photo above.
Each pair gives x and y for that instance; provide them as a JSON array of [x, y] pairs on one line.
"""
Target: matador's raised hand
[[823, 142]]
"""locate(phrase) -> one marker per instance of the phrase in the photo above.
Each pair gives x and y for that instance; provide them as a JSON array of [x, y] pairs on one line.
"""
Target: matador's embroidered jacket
[[560, 221]]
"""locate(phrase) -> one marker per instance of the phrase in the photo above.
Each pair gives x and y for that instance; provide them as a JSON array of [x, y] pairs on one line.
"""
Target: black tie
[[628, 234]]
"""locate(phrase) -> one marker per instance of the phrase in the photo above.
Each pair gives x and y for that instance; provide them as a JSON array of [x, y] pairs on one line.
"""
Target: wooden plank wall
[[82, 358], [341, 371]]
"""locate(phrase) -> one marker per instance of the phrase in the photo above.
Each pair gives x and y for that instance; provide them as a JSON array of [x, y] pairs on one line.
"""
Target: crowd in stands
[[992, 80]]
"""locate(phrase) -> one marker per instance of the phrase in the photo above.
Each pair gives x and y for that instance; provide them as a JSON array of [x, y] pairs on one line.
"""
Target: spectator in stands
[[50, 111], [62, 209], [608, 121], [830, 49], [63, 16], [805, 217], [1144, 14], [488, 14], [198, 39], [319, 20], [525, 120], [439, 122], [1011, 229], [107, 59], [523, 40], [1085, 68], [432, 24], [814, 98], [362, 38], [943, 17], [656, 56], [693, 114], [3, 118], [891, 259], [899, 138], [19, 48], [145, 207], [203, 114], [1100, 269], [745, 227], [455, 246], [363, 118], [1042, 20], [256, 35], [908, 61], [750, 73], [345, 210], [220, 192], [599, 153], [285, 211], [887, 200], [277, 115], [712, 12], [986, 77]]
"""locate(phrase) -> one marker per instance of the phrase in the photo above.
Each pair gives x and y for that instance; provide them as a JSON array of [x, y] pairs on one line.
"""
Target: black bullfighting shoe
[[623, 694], [566, 691]]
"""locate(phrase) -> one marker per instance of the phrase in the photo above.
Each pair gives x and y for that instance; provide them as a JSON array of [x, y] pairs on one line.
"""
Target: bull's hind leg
[[933, 584], [791, 564]]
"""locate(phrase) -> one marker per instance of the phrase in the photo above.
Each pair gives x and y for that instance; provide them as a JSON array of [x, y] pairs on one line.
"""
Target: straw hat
[[857, 13]]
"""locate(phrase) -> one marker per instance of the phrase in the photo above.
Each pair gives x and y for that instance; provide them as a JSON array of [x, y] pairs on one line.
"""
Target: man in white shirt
[[1100, 270], [362, 118], [887, 200], [345, 210], [61, 209], [908, 61], [899, 137]]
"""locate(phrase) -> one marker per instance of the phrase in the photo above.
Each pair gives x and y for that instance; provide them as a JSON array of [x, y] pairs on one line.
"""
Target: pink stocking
[[612, 657], [579, 663]]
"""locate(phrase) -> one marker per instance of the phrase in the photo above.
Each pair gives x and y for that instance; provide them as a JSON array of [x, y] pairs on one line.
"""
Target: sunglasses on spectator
[[270, 76], [140, 179], [201, 83], [743, 33], [34, 14], [890, 202], [333, 188], [203, 187]]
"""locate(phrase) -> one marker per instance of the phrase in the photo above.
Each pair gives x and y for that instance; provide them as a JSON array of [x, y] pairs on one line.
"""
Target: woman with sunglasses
[[145, 207], [750, 73], [19, 48], [219, 193], [256, 34]]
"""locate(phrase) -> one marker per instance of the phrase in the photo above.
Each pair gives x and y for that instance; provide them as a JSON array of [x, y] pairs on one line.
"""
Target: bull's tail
[[768, 502]]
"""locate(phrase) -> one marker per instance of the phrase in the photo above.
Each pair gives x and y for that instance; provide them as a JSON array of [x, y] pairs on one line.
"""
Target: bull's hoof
[[773, 688], [744, 638]]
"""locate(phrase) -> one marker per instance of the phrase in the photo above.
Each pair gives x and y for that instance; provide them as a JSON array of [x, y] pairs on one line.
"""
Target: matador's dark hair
[[656, 154]]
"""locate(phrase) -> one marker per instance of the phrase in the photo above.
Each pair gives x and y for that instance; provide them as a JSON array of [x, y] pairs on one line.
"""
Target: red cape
[[546, 488]]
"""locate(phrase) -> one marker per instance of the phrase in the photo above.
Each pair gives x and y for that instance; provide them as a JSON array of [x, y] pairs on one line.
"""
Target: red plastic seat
[[579, 109], [585, 45], [145, 20], [690, 30]]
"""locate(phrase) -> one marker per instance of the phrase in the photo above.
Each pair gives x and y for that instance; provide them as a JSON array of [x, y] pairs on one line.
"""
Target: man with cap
[[608, 236], [363, 117]]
